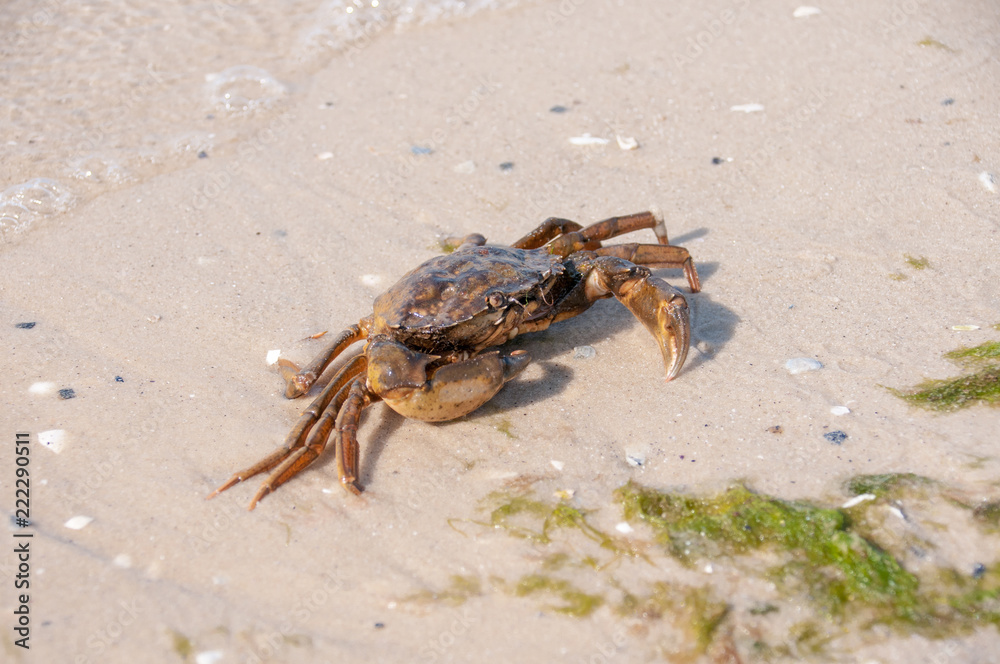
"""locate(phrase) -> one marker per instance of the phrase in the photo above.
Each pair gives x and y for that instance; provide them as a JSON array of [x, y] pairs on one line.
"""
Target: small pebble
[[272, 356], [635, 459], [835, 437], [989, 181], [704, 347], [558, 109], [25, 326], [717, 160], [747, 108], [67, 393], [202, 155], [506, 166], [840, 410], [419, 149], [379, 625], [584, 352], [78, 522], [978, 571], [53, 439], [798, 365], [119, 379], [948, 102], [777, 428]]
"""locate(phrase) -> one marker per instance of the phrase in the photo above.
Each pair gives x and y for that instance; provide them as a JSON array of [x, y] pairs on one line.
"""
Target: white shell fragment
[[558, 465], [840, 410], [747, 108], [42, 387], [989, 181], [272, 356], [587, 139], [624, 527], [798, 365], [54, 439], [122, 560], [965, 328], [371, 279], [626, 142], [208, 657], [465, 167], [635, 458], [584, 352], [802, 12], [323, 156], [857, 500], [78, 522]]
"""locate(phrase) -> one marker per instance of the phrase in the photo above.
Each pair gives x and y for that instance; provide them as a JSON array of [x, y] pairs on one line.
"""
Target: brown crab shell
[[456, 288]]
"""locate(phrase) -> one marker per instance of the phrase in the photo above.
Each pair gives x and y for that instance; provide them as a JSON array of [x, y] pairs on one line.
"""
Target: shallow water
[[103, 94]]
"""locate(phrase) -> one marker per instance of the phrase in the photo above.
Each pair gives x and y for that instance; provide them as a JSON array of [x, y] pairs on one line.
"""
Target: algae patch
[[980, 384]]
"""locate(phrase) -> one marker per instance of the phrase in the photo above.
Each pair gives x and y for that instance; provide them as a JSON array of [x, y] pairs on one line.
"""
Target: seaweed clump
[[981, 384]]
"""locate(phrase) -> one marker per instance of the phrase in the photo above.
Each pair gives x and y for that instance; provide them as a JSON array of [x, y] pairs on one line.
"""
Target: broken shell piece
[[54, 439], [747, 108], [840, 410], [626, 142], [323, 156], [465, 167], [558, 465], [42, 388], [370, 279], [857, 500], [624, 527], [565, 494], [798, 365], [587, 139], [802, 12], [78, 522], [272, 356], [965, 328], [988, 180]]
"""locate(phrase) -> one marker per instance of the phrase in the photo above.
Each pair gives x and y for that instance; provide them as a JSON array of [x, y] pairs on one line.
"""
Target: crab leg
[[348, 420], [297, 436], [299, 383], [658, 305], [550, 228], [590, 237], [656, 255]]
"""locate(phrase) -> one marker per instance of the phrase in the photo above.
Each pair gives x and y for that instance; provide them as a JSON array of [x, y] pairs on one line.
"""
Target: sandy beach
[[834, 174]]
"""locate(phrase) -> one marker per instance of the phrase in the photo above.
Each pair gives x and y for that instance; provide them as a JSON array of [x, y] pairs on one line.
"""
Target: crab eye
[[496, 300]]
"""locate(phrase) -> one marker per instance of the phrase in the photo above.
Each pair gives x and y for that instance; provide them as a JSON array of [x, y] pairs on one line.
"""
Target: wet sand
[[158, 301]]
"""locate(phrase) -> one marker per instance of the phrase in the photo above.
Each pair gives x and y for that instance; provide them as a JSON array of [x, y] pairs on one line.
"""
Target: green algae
[[505, 427], [898, 276], [576, 603], [917, 263], [981, 386], [694, 610], [181, 644], [459, 590], [885, 484]]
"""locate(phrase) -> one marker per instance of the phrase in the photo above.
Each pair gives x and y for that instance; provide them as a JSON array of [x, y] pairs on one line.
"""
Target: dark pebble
[[558, 109], [202, 155], [506, 166], [26, 326], [379, 625], [835, 437], [948, 102], [777, 428], [717, 160], [67, 393], [419, 149], [119, 379], [978, 571]]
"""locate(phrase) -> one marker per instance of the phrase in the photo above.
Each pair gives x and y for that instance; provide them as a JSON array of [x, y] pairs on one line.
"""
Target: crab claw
[[664, 311]]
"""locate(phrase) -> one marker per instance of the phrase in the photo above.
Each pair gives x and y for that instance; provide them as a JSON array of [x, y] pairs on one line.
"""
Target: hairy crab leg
[[658, 305], [297, 435], [299, 383], [656, 255]]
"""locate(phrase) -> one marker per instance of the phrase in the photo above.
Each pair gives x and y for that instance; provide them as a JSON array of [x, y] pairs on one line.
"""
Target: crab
[[426, 342]]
